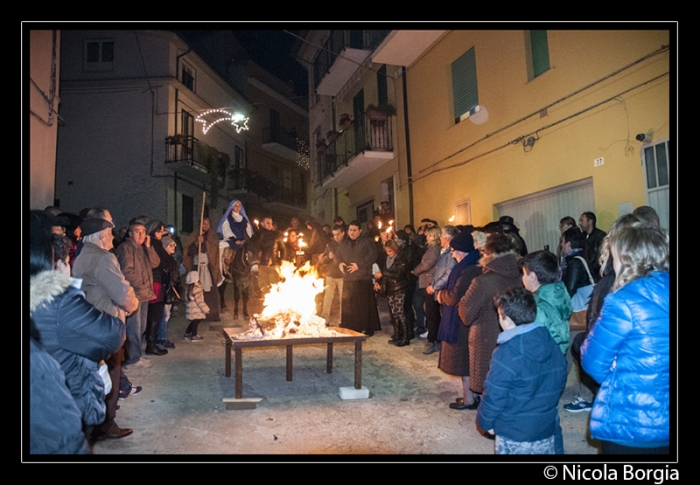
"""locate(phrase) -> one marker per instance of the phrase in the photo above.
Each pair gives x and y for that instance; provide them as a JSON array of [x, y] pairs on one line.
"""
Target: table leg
[[227, 354], [289, 363], [239, 373], [358, 364], [329, 358]]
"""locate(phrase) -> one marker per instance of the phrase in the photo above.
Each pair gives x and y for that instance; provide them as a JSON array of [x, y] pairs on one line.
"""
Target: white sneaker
[[141, 364], [424, 335]]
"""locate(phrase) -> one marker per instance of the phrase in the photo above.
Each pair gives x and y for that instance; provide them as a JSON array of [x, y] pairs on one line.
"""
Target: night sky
[[272, 50]]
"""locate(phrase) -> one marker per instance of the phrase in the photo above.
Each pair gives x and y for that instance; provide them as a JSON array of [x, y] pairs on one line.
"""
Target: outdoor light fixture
[[239, 121]]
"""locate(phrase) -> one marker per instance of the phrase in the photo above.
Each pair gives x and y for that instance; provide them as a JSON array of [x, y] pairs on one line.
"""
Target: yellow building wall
[[457, 161]]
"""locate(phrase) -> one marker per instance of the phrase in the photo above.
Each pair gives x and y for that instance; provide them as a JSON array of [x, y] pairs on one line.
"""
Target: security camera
[[643, 137]]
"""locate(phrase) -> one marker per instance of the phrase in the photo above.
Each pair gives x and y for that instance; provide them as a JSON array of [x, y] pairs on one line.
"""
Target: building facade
[[148, 129], [535, 124]]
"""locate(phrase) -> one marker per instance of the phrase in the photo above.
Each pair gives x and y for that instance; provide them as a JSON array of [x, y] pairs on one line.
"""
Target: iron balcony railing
[[183, 149], [281, 136], [244, 179], [363, 134]]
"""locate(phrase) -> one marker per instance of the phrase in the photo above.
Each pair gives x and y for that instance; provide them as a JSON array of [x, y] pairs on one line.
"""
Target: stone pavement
[[181, 409]]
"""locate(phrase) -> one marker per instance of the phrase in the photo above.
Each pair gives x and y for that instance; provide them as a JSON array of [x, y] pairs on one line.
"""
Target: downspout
[[409, 171]]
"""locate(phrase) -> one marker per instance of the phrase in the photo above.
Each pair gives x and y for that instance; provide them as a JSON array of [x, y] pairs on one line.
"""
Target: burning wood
[[289, 309]]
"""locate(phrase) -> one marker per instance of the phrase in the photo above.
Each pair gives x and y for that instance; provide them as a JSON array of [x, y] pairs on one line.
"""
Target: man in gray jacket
[[106, 289]]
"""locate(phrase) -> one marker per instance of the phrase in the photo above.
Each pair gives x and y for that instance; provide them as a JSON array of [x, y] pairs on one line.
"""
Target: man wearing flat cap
[[106, 288]]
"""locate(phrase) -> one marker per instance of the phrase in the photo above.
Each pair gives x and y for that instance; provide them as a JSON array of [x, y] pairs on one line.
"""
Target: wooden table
[[289, 342]]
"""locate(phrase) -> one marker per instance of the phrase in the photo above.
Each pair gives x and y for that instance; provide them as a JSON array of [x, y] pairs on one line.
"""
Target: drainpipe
[[409, 171]]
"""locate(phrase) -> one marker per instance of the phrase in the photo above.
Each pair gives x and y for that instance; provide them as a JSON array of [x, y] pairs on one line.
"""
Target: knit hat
[[167, 241], [91, 226], [463, 241]]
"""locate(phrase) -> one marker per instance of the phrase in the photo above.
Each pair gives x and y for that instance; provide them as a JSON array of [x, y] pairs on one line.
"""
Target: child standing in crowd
[[526, 379], [540, 272], [197, 309]]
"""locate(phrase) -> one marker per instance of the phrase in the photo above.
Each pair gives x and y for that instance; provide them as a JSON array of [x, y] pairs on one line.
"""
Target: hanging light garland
[[239, 121]]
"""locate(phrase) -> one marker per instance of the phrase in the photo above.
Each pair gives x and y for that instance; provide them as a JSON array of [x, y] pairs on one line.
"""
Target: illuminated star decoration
[[239, 121]]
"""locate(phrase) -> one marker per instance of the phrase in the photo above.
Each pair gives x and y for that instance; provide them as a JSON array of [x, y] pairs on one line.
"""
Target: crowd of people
[[508, 322]]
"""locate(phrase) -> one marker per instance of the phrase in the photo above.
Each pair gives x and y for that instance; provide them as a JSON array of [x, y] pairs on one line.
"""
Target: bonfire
[[289, 309]]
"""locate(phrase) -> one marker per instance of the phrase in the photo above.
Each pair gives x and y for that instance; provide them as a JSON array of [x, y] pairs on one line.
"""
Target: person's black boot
[[403, 334], [151, 338]]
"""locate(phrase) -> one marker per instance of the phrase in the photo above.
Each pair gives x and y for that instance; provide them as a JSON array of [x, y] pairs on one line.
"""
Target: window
[[99, 55], [655, 158], [536, 52], [188, 75], [463, 212], [187, 131], [464, 86]]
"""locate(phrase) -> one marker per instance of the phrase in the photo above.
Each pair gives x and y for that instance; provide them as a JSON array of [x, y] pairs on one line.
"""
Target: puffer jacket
[[553, 311], [77, 335], [524, 384], [55, 425], [627, 352]]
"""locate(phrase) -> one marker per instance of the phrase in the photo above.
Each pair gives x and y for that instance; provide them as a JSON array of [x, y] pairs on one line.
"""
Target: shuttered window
[[540, 52], [464, 85]]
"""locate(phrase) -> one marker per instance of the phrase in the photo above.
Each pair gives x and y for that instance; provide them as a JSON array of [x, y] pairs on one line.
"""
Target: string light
[[239, 121]]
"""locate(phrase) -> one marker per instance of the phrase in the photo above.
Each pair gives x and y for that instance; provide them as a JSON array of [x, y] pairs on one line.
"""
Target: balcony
[[403, 47], [356, 152], [341, 56], [246, 181], [183, 155], [280, 142]]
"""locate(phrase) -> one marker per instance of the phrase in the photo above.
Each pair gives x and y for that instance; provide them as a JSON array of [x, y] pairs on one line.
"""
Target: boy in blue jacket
[[525, 381]]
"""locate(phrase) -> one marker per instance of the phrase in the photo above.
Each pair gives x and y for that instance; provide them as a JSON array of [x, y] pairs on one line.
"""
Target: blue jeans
[[163, 326], [135, 328]]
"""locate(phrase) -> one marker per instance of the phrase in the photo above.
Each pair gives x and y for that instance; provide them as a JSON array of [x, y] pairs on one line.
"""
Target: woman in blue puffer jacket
[[627, 350]]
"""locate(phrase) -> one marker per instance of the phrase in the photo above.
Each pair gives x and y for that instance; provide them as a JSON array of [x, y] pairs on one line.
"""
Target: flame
[[451, 219], [293, 299], [379, 225]]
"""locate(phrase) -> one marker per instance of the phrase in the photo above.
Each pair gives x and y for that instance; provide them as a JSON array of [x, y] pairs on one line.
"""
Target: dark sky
[[272, 50]]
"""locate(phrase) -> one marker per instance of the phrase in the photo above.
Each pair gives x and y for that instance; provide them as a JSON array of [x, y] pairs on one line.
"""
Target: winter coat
[[396, 279], [458, 283], [196, 308], [361, 251], [77, 335], [330, 267], [426, 268], [55, 424], [137, 263], [591, 250], [627, 351], [454, 353], [443, 268], [553, 311], [476, 309], [103, 282], [524, 384], [271, 245], [575, 275]]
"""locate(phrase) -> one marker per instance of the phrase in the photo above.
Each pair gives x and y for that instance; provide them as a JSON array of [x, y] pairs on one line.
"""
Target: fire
[[290, 306]]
